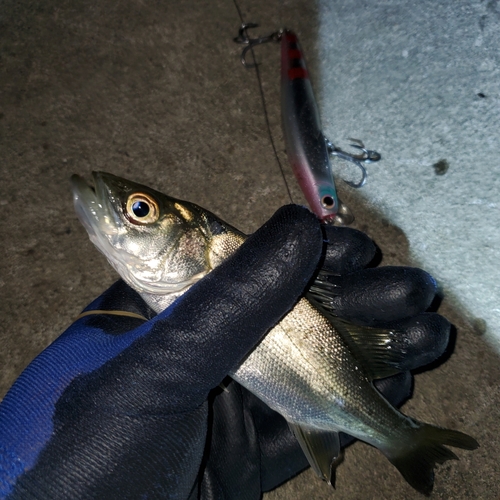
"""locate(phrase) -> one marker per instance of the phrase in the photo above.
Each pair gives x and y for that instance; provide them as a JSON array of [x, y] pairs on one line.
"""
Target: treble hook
[[252, 42], [368, 156]]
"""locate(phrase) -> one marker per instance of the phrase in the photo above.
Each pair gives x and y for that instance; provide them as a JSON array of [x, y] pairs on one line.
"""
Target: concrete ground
[[154, 91]]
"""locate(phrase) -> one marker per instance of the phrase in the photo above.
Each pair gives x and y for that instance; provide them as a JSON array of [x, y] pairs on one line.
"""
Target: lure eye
[[328, 201], [142, 208]]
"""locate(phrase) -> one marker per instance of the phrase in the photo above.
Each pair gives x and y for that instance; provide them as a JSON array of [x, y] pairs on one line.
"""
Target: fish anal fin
[[321, 448]]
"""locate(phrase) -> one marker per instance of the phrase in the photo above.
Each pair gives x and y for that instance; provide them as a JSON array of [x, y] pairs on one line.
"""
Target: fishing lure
[[307, 148]]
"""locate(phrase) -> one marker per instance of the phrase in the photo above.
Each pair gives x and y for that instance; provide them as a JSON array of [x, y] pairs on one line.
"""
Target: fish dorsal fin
[[321, 448], [376, 349]]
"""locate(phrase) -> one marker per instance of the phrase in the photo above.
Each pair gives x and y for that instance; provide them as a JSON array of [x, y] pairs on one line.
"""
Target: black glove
[[118, 407]]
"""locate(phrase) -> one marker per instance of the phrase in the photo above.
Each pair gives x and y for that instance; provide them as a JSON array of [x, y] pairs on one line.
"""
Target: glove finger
[[374, 296], [116, 395], [396, 389], [422, 339], [209, 330], [347, 250]]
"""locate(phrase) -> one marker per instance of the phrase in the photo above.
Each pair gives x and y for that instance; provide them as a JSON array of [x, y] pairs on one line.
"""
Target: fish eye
[[328, 201], [142, 208]]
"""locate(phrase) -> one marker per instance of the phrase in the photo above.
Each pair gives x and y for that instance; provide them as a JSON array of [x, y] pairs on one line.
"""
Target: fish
[[313, 368]]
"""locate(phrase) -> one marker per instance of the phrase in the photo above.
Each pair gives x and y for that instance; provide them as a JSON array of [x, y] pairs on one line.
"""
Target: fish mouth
[[103, 225], [93, 209]]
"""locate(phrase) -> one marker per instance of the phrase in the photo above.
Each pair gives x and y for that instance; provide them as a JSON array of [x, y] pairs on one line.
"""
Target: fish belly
[[303, 370]]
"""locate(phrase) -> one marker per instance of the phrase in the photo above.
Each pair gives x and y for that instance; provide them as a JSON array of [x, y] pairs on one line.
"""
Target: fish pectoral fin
[[324, 288], [321, 448], [376, 349]]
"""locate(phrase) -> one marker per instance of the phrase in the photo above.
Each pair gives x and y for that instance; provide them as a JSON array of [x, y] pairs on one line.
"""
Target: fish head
[[157, 244]]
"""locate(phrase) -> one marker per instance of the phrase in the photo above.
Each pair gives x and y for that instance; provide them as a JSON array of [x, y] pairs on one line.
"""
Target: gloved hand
[[118, 407]]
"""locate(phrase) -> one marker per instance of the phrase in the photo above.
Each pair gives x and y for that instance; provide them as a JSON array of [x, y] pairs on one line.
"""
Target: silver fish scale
[[303, 370]]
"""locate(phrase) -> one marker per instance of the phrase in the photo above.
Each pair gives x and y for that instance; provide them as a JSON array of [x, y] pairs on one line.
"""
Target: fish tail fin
[[425, 449]]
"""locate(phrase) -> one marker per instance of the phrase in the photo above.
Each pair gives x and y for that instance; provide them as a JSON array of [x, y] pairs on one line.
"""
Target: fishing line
[[266, 116], [112, 312]]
